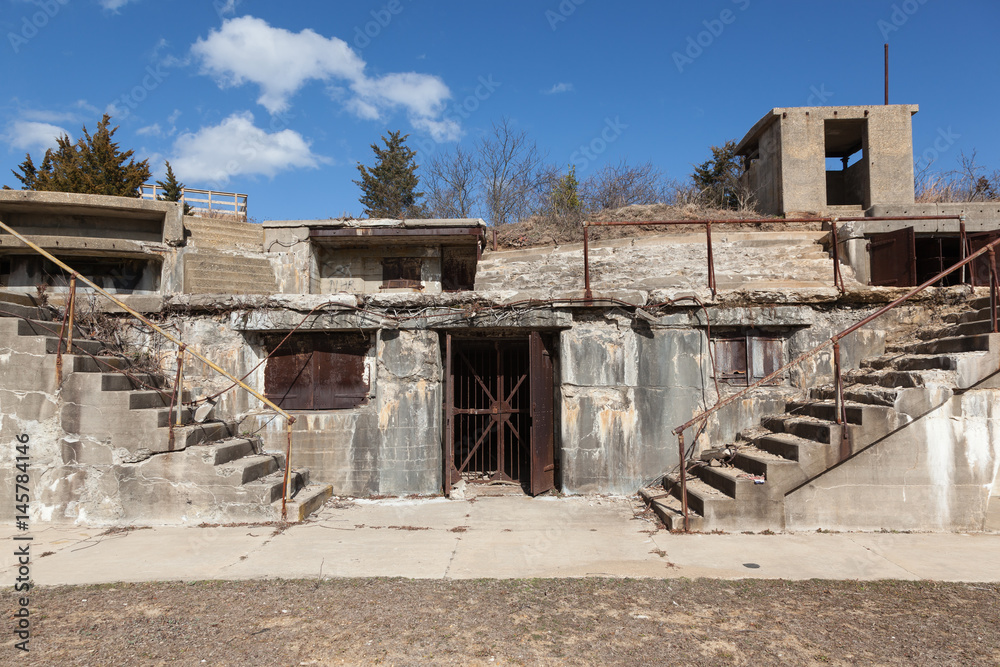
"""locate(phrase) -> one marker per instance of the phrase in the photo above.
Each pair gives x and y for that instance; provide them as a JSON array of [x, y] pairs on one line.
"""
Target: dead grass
[[544, 231], [516, 622]]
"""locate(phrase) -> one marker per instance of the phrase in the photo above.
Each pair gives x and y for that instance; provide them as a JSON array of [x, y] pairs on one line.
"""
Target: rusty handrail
[[181, 346], [840, 408], [838, 280]]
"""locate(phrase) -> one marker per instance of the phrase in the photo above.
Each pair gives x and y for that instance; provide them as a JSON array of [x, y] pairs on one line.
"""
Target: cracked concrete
[[492, 537]]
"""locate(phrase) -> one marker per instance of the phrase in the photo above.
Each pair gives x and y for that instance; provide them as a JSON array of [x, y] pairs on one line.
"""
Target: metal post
[[288, 467], [838, 277], [711, 259], [494, 239], [840, 407], [179, 385], [963, 242], [684, 485], [176, 398], [59, 348], [71, 307], [586, 262], [993, 287], [887, 73]]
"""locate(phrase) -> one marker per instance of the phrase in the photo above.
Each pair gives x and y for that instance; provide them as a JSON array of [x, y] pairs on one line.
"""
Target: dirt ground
[[546, 231], [521, 622]]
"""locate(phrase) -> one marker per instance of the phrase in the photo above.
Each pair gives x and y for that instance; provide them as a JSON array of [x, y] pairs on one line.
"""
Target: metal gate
[[498, 412]]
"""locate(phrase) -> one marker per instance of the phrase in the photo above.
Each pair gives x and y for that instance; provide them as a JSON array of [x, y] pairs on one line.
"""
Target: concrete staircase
[[117, 426], [226, 257], [789, 450]]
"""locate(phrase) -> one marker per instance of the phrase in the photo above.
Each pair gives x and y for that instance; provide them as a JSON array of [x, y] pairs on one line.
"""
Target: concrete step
[[102, 364], [51, 328], [949, 331], [79, 345], [14, 307], [229, 450], [974, 343], [151, 398], [805, 427], [894, 379], [164, 416], [306, 501], [911, 362], [669, 509], [859, 393]]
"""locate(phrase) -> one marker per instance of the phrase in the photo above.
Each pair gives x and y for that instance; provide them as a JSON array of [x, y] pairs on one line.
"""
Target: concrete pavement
[[491, 537]]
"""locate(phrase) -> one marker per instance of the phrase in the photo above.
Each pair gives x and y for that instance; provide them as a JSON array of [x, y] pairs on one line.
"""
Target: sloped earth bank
[[521, 622]]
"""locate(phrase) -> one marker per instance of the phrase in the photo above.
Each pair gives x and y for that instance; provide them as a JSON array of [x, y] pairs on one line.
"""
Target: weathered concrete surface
[[499, 538], [667, 266], [788, 149], [935, 474]]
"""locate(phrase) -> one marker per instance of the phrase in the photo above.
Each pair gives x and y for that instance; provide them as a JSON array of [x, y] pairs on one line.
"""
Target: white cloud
[[237, 147], [29, 135], [559, 88], [153, 130], [280, 62], [114, 5], [224, 7]]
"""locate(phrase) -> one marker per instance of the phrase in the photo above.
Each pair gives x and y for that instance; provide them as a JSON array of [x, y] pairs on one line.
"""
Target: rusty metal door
[[893, 258], [489, 396], [543, 454], [980, 273]]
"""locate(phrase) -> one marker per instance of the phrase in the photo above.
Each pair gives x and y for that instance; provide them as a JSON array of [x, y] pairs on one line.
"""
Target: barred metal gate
[[498, 412]]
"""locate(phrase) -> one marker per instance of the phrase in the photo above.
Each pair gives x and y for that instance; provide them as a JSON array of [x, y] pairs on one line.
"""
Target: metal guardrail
[[231, 203], [838, 279], [182, 348], [840, 408]]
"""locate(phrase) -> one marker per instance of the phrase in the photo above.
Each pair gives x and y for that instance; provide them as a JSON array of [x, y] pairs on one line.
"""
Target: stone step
[[79, 345], [305, 501], [895, 379], [14, 308], [268, 488], [826, 410]]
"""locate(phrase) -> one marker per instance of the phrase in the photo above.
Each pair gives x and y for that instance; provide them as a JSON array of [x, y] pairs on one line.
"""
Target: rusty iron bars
[[182, 349], [840, 409], [838, 279]]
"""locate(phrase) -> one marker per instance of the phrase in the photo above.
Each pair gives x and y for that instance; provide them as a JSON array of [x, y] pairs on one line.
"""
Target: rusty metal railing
[[182, 348], [840, 407], [838, 279]]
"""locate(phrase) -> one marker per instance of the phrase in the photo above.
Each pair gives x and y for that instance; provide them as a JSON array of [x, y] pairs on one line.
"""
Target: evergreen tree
[[172, 189], [718, 178], [389, 188], [565, 195], [92, 165]]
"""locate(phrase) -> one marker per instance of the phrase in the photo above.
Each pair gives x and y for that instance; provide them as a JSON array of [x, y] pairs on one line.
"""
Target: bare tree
[[969, 182], [510, 169], [618, 185], [452, 183]]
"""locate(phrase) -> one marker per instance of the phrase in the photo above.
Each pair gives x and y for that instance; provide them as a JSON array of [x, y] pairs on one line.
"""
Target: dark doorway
[[499, 412]]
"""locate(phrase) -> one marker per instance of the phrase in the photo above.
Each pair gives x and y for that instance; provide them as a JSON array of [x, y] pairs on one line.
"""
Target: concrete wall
[[937, 473], [803, 162], [359, 270]]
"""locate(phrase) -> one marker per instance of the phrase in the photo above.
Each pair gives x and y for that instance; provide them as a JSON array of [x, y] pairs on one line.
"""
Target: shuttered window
[[747, 358], [324, 371]]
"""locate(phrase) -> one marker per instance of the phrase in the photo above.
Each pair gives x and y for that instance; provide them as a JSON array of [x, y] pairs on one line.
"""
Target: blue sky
[[280, 100]]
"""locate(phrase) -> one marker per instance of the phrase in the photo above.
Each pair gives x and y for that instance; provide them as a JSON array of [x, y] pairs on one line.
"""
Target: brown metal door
[[893, 258], [543, 455], [980, 273], [451, 474]]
